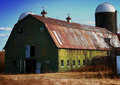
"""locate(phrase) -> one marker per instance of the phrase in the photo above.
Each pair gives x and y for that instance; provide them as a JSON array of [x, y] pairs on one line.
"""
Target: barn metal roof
[[78, 36]]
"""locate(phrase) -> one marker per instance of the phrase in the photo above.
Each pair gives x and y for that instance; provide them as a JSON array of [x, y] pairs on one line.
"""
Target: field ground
[[68, 78]]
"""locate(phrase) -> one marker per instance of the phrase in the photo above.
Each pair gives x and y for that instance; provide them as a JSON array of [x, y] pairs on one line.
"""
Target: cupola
[[68, 18], [44, 13]]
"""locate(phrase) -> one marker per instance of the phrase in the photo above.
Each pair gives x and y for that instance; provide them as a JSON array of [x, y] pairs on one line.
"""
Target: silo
[[106, 17]]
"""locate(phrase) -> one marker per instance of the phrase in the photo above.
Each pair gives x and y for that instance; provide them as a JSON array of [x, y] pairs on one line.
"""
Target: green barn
[[40, 44]]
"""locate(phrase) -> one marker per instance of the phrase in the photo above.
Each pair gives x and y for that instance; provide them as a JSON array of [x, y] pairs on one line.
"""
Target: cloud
[[5, 29], [90, 22], [4, 35]]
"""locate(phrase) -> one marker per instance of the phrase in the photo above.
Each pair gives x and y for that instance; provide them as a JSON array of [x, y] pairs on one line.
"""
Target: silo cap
[[105, 7]]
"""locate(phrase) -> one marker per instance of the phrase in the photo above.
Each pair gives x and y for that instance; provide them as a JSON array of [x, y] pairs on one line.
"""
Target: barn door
[[38, 66], [118, 64], [30, 66], [27, 53]]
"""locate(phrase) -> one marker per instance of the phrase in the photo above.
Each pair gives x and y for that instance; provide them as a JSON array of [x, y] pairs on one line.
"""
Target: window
[[83, 62], [32, 50], [62, 63], [79, 62], [20, 30], [73, 62], [67, 62], [41, 29]]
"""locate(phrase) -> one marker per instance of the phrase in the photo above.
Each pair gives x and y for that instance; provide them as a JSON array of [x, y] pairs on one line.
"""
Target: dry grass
[[69, 78], [104, 71], [98, 77]]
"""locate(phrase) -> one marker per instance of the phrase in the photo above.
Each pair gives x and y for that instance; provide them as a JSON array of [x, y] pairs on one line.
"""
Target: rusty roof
[[78, 36]]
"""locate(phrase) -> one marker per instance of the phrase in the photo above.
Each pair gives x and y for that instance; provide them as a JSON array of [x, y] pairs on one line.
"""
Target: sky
[[81, 11]]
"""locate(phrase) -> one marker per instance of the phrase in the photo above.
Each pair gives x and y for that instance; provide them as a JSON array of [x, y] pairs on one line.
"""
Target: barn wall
[[82, 55], [45, 49]]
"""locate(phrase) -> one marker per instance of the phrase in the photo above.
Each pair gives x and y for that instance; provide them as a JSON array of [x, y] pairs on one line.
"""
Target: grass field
[[106, 77]]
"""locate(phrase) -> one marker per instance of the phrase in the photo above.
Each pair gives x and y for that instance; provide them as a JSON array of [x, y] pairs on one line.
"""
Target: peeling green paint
[[69, 54]]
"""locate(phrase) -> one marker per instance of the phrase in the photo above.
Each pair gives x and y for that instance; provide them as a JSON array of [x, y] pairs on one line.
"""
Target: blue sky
[[81, 11]]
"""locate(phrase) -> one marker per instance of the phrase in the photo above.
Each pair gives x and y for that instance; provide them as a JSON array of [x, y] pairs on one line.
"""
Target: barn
[[39, 44]]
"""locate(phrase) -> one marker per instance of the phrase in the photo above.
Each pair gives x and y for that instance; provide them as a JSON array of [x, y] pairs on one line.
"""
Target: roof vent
[[68, 18], [44, 13]]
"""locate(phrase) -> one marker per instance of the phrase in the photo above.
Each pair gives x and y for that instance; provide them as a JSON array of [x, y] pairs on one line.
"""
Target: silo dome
[[105, 7], [24, 14]]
